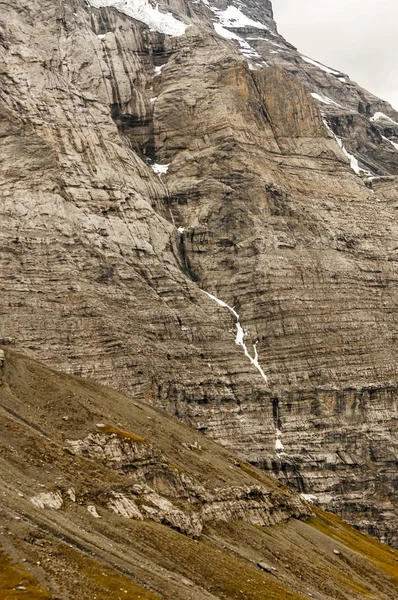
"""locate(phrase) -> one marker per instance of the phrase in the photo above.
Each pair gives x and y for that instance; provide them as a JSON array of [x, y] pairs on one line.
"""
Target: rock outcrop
[[141, 505], [140, 169]]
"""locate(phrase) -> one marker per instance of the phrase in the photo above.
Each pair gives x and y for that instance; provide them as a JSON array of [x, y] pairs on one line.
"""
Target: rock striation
[[141, 169]]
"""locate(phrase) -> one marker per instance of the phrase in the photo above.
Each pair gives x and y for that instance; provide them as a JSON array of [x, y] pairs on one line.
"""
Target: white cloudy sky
[[359, 37]]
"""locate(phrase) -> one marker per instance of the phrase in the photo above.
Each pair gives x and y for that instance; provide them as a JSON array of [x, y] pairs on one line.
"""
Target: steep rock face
[[365, 124], [103, 259]]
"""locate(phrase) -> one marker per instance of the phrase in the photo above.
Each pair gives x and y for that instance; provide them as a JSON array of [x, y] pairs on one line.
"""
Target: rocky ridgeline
[[142, 168]]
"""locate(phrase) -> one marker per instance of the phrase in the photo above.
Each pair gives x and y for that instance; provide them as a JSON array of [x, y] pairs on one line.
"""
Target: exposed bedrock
[[139, 169]]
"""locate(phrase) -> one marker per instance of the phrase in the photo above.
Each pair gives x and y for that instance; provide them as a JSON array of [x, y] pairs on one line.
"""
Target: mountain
[[107, 498], [199, 217]]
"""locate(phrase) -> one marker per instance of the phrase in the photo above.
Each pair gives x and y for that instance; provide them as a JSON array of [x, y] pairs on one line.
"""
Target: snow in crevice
[[245, 48], [390, 141], [324, 99], [240, 336], [379, 115], [279, 447], [240, 341], [233, 17], [353, 161], [143, 11], [160, 169], [320, 66]]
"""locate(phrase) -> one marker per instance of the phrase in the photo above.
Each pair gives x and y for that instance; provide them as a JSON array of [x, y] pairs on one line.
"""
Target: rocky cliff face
[[148, 159]]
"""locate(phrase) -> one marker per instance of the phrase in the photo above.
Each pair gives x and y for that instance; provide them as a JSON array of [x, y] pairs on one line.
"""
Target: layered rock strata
[[141, 169]]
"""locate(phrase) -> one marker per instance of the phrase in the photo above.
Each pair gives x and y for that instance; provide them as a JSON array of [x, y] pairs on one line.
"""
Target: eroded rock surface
[[102, 497], [139, 169]]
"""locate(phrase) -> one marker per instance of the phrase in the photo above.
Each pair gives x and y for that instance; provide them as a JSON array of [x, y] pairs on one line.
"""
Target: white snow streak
[[144, 12], [323, 99], [240, 341], [322, 67], [240, 336], [391, 142], [233, 17], [380, 115], [245, 48], [353, 161]]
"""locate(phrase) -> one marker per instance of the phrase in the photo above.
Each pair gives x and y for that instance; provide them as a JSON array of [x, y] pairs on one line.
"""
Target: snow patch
[[323, 99], [245, 48], [143, 11], [380, 115], [233, 17], [160, 169], [391, 142], [320, 66], [353, 161]]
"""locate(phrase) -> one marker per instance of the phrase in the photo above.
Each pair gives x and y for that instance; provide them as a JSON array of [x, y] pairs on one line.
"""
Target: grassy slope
[[110, 558]]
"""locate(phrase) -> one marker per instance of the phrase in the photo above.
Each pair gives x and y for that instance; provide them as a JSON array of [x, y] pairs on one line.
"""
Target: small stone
[[265, 567], [336, 552]]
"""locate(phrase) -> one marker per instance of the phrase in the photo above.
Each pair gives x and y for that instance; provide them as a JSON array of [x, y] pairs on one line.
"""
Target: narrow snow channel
[[240, 336], [240, 341], [353, 160]]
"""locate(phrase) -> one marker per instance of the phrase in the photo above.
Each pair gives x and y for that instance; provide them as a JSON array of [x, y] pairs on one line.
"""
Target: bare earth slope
[[105, 498], [139, 168]]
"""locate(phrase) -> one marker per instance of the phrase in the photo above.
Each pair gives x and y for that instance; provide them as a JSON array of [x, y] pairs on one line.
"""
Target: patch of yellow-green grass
[[104, 582], [211, 567], [125, 435], [13, 576], [382, 556]]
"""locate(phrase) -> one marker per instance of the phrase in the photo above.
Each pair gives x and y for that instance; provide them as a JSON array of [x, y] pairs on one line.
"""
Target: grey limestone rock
[[141, 169]]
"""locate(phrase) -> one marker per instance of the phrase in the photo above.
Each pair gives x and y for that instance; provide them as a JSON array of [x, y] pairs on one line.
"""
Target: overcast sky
[[359, 37]]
